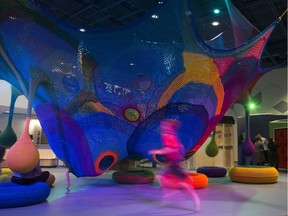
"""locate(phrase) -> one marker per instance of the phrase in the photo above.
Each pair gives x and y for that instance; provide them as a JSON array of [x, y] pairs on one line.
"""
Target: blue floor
[[103, 197]]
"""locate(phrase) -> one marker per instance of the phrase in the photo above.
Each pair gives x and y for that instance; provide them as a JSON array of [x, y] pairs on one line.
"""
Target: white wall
[[18, 122], [273, 89], [5, 94]]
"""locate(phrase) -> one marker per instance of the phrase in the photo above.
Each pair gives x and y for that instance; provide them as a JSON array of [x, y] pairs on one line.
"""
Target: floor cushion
[[199, 181], [6, 171], [212, 171], [14, 195], [254, 174]]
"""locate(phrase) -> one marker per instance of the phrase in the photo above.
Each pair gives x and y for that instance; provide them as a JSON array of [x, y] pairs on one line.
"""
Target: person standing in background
[[259, 138], [241, 157], [264, 142], [273, 155], [259, 150]]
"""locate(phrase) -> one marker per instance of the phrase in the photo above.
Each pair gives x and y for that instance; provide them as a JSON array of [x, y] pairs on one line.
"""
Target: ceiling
[[113, 13]]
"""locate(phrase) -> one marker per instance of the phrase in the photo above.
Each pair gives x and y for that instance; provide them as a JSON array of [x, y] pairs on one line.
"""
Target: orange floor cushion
[[253, 174], [171, 181]]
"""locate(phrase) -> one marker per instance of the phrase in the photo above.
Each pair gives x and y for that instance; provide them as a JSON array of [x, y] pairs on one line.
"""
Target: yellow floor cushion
[[253, 174], [6, 171]]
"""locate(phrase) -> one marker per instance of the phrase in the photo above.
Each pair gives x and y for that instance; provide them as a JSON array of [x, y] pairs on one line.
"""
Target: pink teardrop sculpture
[[23, 156]]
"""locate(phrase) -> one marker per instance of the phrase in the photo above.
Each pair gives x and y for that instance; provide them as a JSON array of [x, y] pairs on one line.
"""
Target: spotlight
[[216, 11], [215, 23], [251, 105]]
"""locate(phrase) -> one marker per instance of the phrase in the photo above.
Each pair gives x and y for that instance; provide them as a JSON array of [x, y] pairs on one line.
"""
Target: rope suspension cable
[[283, 14]]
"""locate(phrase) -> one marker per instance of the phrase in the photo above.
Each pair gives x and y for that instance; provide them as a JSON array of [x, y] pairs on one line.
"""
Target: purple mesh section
[[199, 94]]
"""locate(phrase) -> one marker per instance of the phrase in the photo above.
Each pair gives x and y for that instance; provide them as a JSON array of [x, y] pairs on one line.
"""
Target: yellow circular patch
[[132, 114]]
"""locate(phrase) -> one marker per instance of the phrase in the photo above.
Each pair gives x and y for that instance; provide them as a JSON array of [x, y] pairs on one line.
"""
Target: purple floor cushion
[[212, 171]]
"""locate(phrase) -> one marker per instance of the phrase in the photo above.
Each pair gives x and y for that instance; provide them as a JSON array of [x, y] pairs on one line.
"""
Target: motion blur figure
[[173, 151]]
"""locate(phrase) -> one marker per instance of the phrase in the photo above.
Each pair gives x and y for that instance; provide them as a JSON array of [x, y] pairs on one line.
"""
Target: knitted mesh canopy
[[106, 90]]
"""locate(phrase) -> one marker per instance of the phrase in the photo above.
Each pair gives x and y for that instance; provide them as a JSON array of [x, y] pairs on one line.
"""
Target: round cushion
[[5, 178], [171, 181], [253, 174], [14, 195], [212, 171], [6, 171], [134, 176]]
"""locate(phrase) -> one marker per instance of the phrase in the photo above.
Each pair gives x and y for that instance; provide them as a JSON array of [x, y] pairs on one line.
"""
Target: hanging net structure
[[105, 91]]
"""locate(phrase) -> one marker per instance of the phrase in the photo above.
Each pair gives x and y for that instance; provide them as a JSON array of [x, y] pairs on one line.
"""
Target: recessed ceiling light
[[154, 16], [188, 13], [216, 11], [215, 23], [82, 30]]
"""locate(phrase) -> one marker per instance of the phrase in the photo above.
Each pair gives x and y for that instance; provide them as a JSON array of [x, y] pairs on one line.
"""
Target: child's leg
[[167, 193], [190, 189]]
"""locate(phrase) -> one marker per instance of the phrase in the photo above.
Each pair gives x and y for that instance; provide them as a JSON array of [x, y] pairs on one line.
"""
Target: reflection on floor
[[102, 196]]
